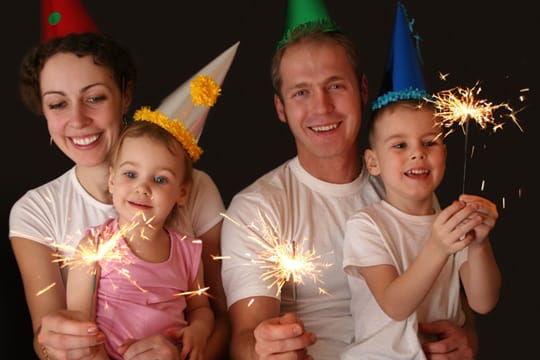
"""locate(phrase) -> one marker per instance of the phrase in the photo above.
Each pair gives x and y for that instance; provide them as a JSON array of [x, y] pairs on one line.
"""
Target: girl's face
[[147, 179], [83, 106]]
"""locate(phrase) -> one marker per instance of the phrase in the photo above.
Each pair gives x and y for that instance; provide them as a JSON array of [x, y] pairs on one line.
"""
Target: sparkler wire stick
[[465, 155], [293, 277]]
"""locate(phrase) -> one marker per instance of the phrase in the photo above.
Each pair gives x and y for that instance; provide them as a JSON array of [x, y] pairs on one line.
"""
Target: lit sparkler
[[199, 291], [283, 261], [456, 106], [102, 246]]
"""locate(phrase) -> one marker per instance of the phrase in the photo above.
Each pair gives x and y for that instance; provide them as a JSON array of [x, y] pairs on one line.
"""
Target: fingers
[[281, 336], [484, 207], [459, 218], [153, 347], [66, 335], [452, 344]]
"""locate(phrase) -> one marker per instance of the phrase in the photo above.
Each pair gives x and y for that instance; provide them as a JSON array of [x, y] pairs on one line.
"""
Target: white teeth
[[417, 172], [324, 128], [85, 141]]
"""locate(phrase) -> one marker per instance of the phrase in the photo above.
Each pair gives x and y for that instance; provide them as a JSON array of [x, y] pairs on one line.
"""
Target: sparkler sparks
[[282, 260], [104, 246], [457, 106]]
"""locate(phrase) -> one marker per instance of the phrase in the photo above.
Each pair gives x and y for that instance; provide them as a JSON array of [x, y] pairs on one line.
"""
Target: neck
[[342, 170], [94, 179]]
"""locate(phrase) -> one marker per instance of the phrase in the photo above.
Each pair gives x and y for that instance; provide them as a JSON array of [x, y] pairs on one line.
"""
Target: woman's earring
[[50, 141]]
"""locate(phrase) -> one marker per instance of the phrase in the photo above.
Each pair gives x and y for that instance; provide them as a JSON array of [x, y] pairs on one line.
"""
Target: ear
[[280, 109], [372, 163], [183, 195], [111, 179]]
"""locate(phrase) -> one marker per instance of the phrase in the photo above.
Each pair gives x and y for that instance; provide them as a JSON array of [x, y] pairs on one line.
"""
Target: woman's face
[[83, 106]]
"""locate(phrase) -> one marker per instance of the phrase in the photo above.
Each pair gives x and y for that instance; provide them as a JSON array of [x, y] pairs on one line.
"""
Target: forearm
[[469, 327], [218, 343], [243, 346], [202, 319], [482, 278], [405, 292]]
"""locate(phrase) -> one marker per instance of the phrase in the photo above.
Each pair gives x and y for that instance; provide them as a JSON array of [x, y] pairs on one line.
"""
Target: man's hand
[[279, 336], [454, 342]]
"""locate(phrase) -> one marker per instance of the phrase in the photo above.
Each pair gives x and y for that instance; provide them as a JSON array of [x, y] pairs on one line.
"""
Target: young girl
[[140, 284]]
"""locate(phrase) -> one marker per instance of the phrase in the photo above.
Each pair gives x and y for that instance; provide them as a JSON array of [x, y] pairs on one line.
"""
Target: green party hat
[[307, 14]]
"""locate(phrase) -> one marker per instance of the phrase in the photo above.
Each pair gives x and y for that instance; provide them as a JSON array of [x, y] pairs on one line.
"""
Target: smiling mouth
[[84, 141], [324, 128], [417, 172]]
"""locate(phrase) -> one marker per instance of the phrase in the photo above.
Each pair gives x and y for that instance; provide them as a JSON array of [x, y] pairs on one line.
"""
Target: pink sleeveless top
[[144, 303]]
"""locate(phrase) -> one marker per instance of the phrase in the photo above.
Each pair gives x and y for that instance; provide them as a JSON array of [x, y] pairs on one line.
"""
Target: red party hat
[[62, 17]]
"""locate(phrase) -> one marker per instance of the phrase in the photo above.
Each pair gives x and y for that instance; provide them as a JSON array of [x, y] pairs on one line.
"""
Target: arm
[[200, 320], [258, 332], [480, 274], [218, 343], [62, 333], [81, 294], [400, 295]]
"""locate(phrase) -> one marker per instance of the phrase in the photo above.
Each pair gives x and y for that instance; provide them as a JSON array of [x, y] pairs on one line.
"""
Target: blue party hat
[[403, 78]]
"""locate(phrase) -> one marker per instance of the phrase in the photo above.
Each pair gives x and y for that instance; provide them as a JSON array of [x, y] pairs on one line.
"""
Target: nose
[[323, 101], [418, 153], [79, 117], [143, 189]]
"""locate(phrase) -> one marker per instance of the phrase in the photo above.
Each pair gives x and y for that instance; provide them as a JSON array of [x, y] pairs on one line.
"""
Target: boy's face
[[407, 151]]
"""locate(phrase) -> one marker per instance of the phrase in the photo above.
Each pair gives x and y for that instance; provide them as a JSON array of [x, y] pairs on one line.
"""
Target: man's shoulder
[[272, 182]]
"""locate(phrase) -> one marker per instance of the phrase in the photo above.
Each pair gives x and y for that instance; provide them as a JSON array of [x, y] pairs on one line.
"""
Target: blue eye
[[160, 180], [130, 174]]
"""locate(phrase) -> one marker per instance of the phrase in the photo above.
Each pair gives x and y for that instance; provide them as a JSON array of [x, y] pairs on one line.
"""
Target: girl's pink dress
[[137, 299]]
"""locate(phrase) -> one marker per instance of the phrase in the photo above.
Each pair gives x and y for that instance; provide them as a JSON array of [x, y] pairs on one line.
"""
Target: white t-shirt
[[57, 213], [312, 213], [382, 234]]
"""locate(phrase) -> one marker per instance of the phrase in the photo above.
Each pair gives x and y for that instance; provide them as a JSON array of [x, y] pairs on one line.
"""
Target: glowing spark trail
[[283, 260], [456, 106], [104, 245], [104, 248]]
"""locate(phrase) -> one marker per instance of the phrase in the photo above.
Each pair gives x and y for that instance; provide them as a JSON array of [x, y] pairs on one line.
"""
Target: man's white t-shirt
[[313, 213]]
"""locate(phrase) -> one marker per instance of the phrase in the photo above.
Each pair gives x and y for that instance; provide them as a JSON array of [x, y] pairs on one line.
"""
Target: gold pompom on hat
[[183, 113]]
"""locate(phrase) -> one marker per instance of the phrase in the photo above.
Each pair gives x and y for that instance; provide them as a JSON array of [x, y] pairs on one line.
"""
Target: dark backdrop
[[493, 42]]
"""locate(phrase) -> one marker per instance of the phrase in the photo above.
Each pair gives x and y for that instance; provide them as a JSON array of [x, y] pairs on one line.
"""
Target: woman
[[83, 85]]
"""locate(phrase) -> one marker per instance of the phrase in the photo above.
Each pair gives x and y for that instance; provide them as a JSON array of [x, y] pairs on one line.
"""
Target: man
[[320, 94]]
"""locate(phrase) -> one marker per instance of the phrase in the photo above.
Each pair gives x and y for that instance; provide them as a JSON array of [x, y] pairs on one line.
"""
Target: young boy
[[404, 256]]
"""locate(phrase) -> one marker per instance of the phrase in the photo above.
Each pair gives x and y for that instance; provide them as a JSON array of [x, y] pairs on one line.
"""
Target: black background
[[491, 42]]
